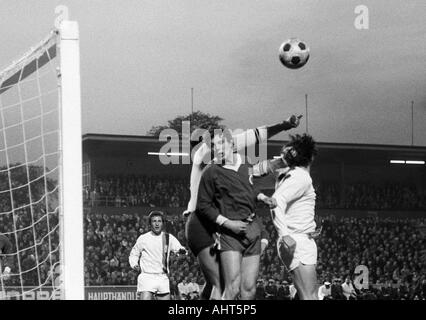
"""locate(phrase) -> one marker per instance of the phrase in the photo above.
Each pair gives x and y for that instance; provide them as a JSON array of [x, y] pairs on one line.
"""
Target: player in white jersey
[[294, 215], [150, 257]]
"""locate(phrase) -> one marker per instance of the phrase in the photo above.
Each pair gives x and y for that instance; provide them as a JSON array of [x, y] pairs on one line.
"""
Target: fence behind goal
[[40, 170]]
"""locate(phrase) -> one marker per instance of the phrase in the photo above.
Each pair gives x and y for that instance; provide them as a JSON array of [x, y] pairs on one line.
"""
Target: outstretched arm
[[276, 166], [196, 173], [261, 134], [269, 166], [290, 123]]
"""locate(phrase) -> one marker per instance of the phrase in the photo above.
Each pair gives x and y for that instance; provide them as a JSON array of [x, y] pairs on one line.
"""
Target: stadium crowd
[[34, 262], [388, 196], [32, 226], [389, 247], [172, 191], [138, 190]]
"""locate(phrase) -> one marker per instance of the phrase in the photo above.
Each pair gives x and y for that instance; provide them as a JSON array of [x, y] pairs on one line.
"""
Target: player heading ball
[[294, 215]]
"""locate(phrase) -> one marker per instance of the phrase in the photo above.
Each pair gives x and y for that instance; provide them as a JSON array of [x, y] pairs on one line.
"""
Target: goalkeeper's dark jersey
[[226, 192], [5, 250]]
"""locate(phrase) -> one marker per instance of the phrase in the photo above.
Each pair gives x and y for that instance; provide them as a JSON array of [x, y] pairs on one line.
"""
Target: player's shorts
[[198, 233], [248, 245], [305, 252], [154, 282]]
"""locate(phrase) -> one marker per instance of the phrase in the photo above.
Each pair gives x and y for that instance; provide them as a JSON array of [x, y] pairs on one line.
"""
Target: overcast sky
[[139, 60]]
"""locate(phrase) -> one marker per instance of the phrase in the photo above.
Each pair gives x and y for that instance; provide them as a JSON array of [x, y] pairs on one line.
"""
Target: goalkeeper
[[5, 257]]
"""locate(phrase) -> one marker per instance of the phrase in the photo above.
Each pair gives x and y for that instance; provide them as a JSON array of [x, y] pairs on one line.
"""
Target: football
[[294, 53]]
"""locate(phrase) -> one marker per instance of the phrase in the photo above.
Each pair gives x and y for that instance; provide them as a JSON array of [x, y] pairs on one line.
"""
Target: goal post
[[71, 170], [41, 205]]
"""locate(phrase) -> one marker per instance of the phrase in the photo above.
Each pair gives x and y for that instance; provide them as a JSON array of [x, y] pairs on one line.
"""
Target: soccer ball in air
[[294, 53]]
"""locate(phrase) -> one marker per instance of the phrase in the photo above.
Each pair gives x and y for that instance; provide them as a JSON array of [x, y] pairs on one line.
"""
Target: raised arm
[[269, 166], [261, 134], [196, 173]]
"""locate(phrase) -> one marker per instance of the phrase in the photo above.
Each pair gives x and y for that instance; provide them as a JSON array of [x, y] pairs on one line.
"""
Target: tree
[[197, 119]]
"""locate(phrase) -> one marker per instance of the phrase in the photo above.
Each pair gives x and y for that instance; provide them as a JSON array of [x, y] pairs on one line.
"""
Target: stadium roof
[[348, 153]]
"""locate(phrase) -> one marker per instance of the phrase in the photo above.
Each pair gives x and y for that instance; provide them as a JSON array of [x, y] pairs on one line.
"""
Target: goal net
[[40, 158]]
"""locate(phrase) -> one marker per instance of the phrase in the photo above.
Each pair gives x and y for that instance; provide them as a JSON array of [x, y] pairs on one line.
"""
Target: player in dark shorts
[[227, 199], [198, 231]]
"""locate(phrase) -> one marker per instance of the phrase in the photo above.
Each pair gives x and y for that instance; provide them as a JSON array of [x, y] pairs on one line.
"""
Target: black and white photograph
[[213, 150]]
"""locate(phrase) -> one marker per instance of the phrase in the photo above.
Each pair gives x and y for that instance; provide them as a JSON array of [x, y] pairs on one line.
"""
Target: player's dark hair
[[303, 150], [155, 213]]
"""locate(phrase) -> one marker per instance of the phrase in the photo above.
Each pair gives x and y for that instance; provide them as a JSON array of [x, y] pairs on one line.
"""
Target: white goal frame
[[71, 176], [71, 235]]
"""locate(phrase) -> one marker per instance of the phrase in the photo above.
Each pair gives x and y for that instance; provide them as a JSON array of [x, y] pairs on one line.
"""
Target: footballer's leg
[[206, 291], [146, 295], [163, 296], [250, 265], [163, 287], [231, 272], [209, 264], [201, 242], [249, 274], [305, 281]]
